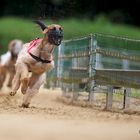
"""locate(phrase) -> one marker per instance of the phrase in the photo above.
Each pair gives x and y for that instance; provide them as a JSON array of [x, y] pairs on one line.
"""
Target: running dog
[[8, 60], [34, 60]]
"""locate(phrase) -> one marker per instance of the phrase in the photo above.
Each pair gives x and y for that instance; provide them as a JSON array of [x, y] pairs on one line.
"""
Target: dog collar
[[32, 45]]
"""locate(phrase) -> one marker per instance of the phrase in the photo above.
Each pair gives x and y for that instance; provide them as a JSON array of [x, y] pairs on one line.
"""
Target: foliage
[[25, 29]]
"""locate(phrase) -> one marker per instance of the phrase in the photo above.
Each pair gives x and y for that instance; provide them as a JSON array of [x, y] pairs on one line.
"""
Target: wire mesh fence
[[97, 60]]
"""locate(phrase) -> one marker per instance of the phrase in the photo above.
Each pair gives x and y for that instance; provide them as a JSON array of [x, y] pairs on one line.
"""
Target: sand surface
[[48, 118]]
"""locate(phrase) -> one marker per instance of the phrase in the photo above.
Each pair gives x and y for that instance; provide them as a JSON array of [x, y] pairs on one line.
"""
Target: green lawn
[[25, 29]]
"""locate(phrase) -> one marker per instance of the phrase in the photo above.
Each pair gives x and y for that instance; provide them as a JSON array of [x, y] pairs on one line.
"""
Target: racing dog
[[8, 60], [34, 60]]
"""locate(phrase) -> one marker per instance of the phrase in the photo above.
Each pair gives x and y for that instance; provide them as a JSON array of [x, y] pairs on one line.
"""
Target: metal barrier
[[83, 64]]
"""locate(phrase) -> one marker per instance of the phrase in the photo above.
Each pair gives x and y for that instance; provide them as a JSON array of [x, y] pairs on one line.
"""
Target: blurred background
[[78, 18]]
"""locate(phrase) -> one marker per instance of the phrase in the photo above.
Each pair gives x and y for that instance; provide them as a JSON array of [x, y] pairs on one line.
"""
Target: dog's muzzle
[[55, 37]]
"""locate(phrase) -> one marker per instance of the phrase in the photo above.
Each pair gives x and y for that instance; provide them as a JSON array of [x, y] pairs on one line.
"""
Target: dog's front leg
[[34, 84], [11, 76], [15, 83], [3, 72], [21, 75]]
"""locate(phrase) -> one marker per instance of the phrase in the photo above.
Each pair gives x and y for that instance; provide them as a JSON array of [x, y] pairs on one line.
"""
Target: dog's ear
[[42, 25]]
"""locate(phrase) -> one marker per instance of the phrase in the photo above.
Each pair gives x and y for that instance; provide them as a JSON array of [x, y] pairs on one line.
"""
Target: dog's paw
[[12, 93], [23, 91], [25, 105]]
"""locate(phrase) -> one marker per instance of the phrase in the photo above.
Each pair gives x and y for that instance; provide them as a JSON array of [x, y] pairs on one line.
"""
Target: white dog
[[34, 60], [8, 60]]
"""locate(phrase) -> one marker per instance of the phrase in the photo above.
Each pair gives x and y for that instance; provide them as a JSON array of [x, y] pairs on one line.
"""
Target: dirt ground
[[49, 118]]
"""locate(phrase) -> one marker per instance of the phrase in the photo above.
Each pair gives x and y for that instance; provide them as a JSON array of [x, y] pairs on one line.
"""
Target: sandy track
[[50, 118]]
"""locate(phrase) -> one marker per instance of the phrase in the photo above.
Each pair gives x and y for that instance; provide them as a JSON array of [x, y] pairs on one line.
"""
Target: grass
[[119, 95], [25, 29], [135, 93]]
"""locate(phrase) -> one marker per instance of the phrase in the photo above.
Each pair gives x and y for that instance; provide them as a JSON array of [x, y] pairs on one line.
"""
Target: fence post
[[98, 61], [59, 64], [126, 101], [92, 65], [109, 98]]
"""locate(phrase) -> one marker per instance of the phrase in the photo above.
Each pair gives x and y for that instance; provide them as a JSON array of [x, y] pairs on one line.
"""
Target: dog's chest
[[40, 67], [34, 65]]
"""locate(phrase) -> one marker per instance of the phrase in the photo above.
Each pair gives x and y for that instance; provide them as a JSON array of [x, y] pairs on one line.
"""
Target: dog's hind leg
[[34, 84]]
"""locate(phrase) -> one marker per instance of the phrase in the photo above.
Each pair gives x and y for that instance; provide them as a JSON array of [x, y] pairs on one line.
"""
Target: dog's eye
[[60, 28], [54, 28]]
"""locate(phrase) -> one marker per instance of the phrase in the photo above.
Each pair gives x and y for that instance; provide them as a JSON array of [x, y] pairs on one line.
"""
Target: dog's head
[[15, 47], [53, 33]]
